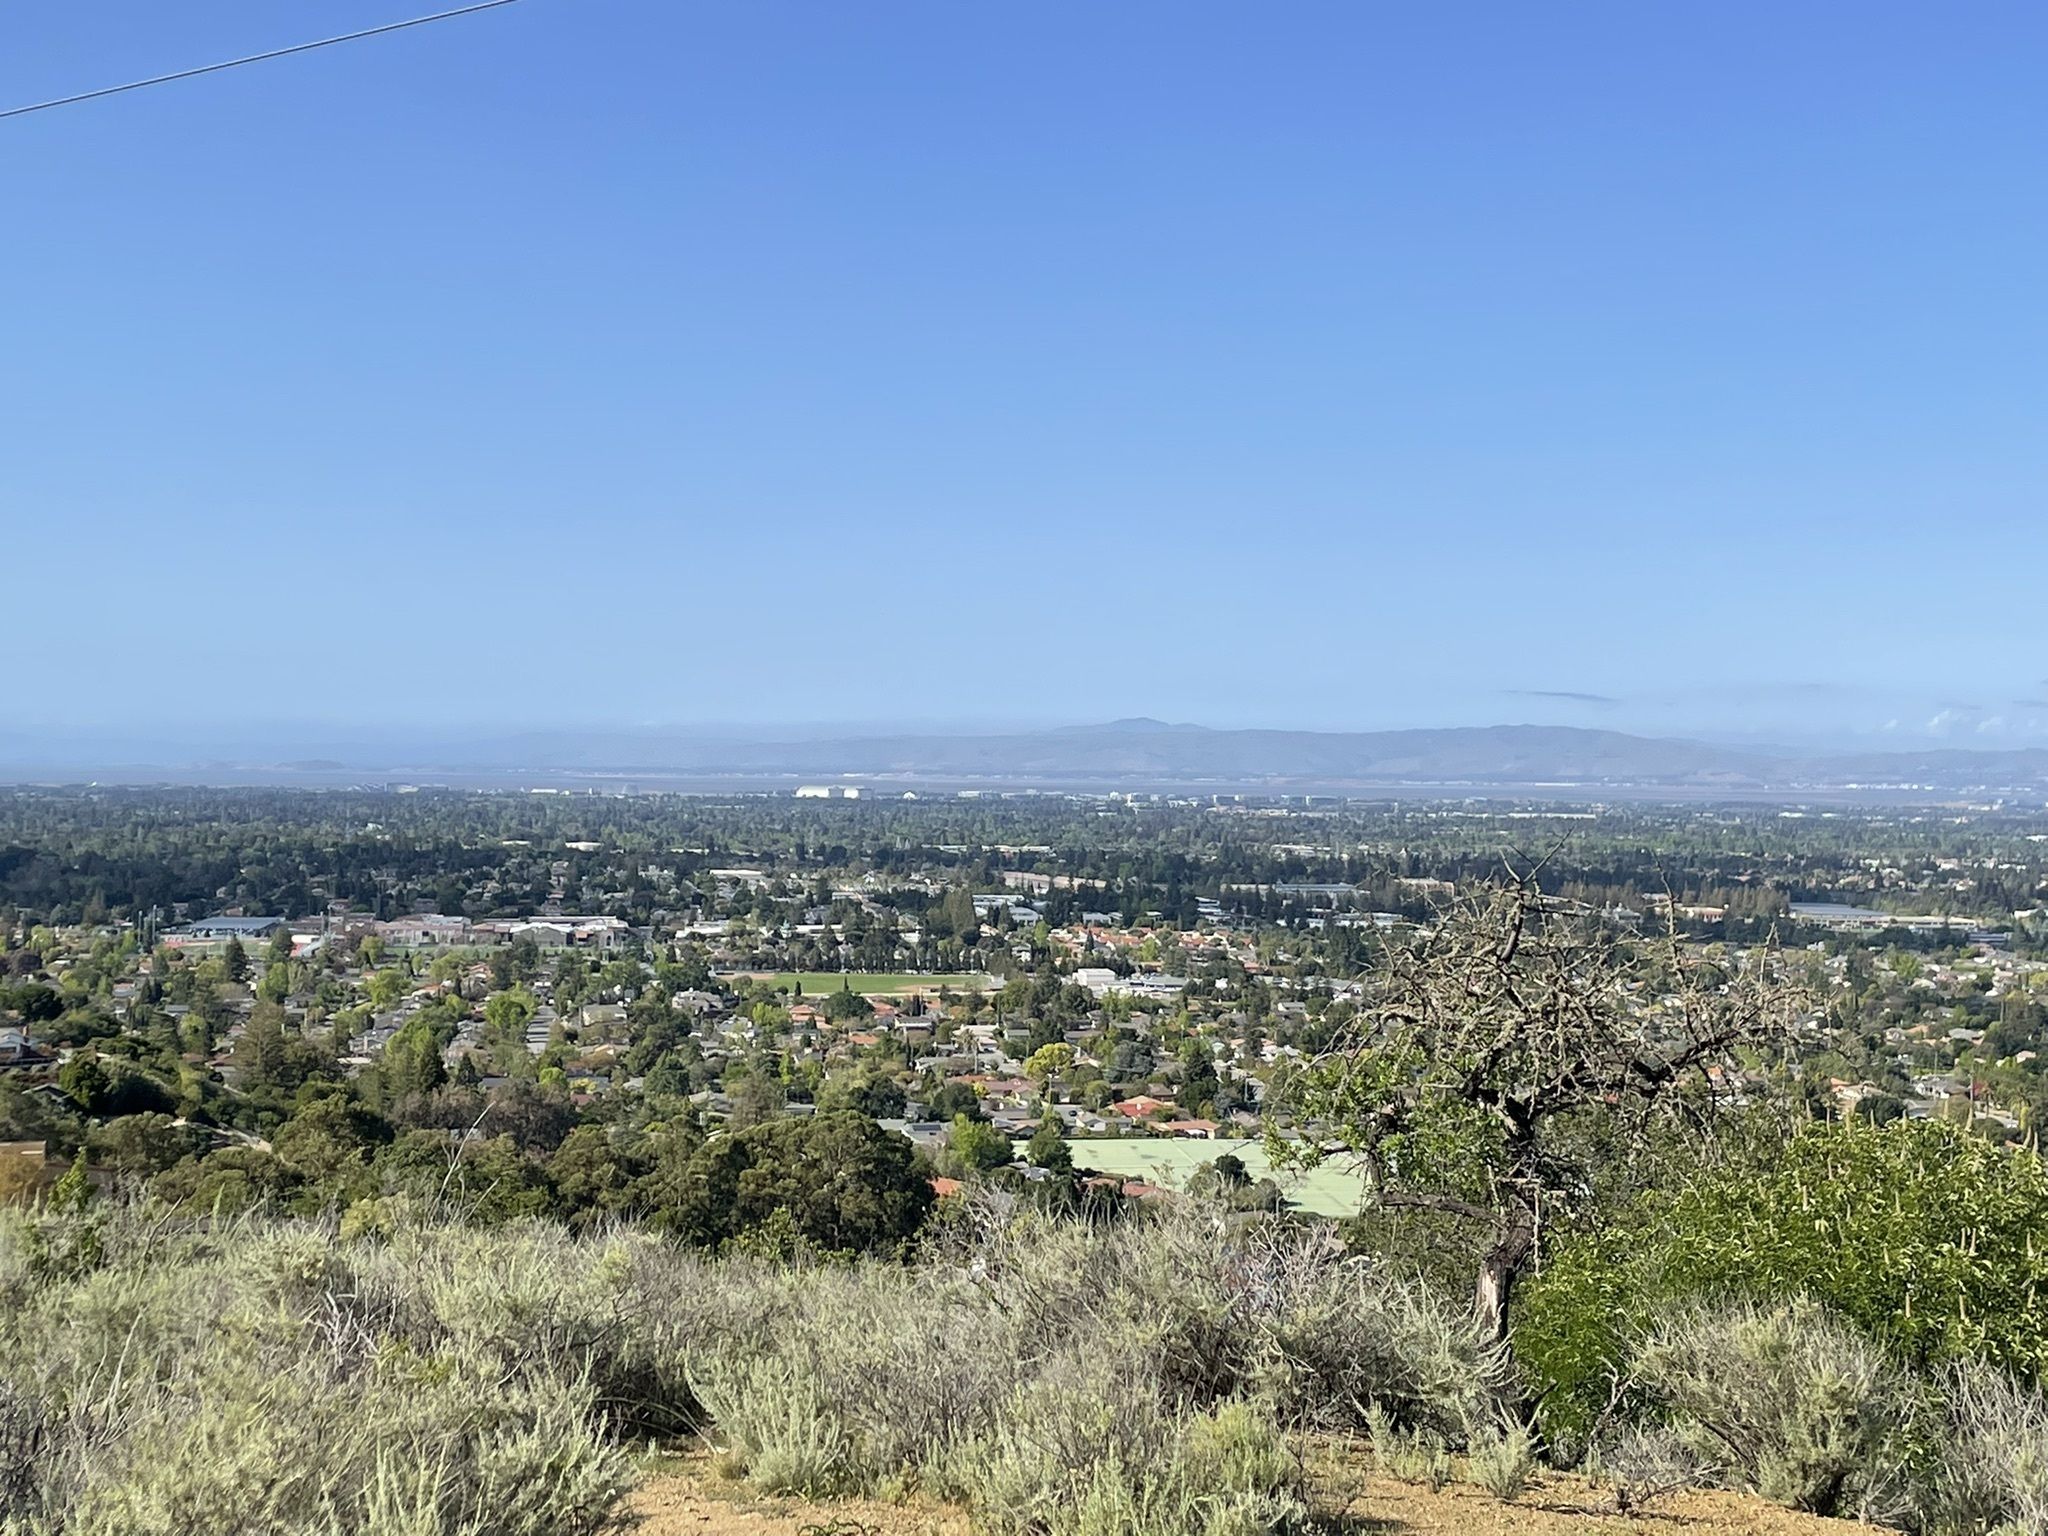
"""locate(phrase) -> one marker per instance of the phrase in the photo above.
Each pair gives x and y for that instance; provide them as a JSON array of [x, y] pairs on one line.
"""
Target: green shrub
[[299, 1450], [1919, 1234], [1575, 1331]]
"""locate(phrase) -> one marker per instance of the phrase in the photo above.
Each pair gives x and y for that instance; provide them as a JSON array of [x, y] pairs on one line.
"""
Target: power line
[[255, 58]]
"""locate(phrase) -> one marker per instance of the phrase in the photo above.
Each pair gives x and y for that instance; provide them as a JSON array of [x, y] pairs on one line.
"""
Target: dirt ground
[[683, 1497], [1568, 1506]]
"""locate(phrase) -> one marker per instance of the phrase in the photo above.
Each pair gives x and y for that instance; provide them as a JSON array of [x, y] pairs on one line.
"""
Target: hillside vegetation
[[1170, 1374]]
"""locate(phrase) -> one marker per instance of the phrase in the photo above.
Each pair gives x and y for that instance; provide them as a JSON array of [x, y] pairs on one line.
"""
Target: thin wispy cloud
[[1566, 694]]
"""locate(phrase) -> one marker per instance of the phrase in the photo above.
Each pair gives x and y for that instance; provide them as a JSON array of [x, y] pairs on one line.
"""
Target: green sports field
[[817, 983], [1331, 1189]]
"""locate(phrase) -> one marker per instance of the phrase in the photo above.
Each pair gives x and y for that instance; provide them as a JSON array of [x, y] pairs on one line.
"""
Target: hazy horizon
[[191, 745]]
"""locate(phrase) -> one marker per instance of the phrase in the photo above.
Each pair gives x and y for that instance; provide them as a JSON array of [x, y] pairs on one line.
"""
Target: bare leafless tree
[[1486, 1050]]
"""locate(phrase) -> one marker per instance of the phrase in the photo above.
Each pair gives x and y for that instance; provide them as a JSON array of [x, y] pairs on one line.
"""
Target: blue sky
[[1663, 368]]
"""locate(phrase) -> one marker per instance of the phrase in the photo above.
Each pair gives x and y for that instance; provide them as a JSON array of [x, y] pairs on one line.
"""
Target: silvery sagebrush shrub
[[214, 1378], [1993, 1472], [1796, 1406], [1502, 1459], [407, 1373]]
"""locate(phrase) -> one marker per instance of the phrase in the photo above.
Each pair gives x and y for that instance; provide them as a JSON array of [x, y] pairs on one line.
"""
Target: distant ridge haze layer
[[1124, 750]]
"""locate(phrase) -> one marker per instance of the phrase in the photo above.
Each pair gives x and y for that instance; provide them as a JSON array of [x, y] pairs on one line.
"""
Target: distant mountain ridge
[[1154, 751], [1128, 753]]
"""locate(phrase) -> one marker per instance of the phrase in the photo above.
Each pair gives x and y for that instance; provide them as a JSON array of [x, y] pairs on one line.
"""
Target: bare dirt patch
[[684, 1497], [1556, 1504]]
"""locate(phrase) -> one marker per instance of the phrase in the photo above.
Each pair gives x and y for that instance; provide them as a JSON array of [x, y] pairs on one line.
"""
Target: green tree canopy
[[847, 1004], [411, 1065], [840, 1182], [1048, 1147], [871, 1093], [1049, 1062], [976, 1146]]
